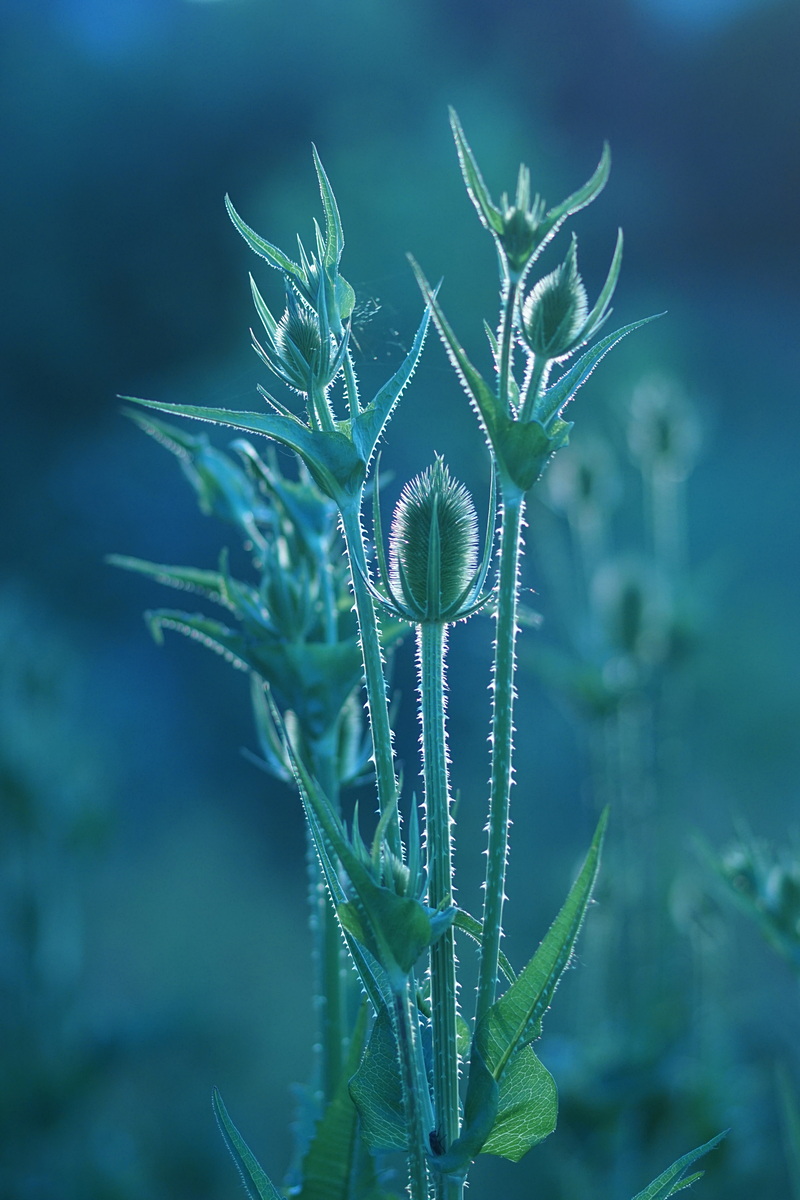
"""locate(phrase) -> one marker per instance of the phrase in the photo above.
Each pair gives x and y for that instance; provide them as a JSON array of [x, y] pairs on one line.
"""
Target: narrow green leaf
[[474, 929], [511, 1102], [478, 391], [515, 1019], [265, 316], [334, 234], [673, 1179], [488, 212], [209, 584], [585, 195], [555, 397], [256, 1182], [598, 315], [330, 456], [274, 256], [367, 427]]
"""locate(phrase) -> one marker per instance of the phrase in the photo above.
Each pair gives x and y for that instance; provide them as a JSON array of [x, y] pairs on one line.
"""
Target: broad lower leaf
[[674, 1179], [256, 1181], [527, 1107], [377, 1092]]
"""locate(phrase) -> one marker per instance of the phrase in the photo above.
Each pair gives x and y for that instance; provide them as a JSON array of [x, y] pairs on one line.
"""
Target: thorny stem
[[505, 339], [413, 1089], [374, 678], [351, 387], [329, 948], [502, 739], [431, 643], [533, 386]]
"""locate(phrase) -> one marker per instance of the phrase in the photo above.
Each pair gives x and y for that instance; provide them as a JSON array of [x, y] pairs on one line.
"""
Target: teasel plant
[[410, 1073]]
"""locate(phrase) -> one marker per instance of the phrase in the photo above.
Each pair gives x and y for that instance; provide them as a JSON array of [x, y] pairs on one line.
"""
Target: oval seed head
[[433, 545], [298, 345], [554, 314]]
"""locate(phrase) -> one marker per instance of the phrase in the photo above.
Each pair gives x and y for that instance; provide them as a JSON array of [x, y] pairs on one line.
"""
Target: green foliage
[[308, 632], [675, 1179]]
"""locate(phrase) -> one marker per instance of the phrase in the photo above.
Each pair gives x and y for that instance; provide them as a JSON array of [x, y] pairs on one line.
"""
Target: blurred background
[[144, 859]]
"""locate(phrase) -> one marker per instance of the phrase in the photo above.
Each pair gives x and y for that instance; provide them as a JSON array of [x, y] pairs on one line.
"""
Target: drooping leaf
[[209, 584], [256, 1181], [674, 1179], [222, 488], [330, 456]]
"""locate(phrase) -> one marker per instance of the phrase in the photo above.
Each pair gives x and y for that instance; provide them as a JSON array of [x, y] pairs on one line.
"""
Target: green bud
[[554, 314], [433, 546]]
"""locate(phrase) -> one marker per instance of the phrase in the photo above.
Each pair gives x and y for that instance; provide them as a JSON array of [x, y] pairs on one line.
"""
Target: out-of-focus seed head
[[663, 432]]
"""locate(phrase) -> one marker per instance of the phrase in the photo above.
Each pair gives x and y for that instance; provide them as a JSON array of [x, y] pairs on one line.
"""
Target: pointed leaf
[[585, 195], [274, 256], [189, 579], [330, 456], [367, 427], [256, 1182], [673, 1179], [601, 310], [488, 212], [515, 1019], [554, 398], [478, 391], [334, 234]]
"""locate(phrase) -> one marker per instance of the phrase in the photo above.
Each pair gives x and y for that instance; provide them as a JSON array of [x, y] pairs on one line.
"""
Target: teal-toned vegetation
[[413, 1081]]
